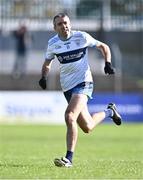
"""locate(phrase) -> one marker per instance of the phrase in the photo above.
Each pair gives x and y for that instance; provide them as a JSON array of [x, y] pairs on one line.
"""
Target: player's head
[[62, 25]]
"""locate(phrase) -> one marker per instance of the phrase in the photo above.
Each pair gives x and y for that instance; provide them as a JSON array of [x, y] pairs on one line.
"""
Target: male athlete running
[[71, 49]]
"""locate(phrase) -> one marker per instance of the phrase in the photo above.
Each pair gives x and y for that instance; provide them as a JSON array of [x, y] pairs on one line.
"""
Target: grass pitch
[[109, 152]]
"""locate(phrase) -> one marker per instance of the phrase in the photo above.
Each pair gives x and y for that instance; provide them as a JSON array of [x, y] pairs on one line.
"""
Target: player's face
[[62, 26]]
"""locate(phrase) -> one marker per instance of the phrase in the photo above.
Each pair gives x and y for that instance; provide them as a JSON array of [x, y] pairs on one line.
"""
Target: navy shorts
[[82, 88]]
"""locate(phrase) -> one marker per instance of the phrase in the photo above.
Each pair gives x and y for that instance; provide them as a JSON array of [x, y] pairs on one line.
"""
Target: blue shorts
[[82, 88]]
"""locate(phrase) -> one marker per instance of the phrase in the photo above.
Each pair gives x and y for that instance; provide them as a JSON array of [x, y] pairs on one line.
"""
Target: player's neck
[[66, 37]]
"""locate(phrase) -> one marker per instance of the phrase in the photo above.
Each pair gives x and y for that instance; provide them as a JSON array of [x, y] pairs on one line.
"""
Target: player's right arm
[[49, 56], [45, 70]]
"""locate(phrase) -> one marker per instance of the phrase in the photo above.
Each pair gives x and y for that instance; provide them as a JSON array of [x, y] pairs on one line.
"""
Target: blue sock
[[108, 113], [69, 155]]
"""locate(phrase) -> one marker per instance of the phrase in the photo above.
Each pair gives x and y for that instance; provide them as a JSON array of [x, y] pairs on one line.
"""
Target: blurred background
[[26, 26]]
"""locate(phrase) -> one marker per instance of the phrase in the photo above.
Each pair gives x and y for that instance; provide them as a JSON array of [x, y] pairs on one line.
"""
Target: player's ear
[[54, 27]]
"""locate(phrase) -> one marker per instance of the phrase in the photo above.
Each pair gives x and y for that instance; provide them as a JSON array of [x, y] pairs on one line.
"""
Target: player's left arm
[[105, 50]]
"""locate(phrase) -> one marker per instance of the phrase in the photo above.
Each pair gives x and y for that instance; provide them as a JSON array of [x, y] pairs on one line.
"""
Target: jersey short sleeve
[[91, 42], [49, 55]]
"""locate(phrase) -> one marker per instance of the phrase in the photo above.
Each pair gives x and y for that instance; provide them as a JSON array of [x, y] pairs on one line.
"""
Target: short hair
[[59, 15]]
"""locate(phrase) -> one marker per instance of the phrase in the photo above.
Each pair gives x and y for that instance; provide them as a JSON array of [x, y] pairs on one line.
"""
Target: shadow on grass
[[23, 165]]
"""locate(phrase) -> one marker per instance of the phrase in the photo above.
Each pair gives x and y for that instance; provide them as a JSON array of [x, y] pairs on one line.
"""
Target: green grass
[[109, 152]]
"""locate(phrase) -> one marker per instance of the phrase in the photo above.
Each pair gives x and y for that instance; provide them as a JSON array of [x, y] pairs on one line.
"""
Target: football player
[[71, 49]]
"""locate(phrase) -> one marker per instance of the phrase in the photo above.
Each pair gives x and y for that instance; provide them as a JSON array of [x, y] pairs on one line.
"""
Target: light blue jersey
[[73, 57]]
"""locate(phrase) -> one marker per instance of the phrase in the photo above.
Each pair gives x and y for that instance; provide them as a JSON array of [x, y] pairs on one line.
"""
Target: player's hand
[[108, 69], [42, 83]]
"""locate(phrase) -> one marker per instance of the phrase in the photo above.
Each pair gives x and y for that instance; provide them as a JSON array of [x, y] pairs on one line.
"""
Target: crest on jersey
[[57, 47], [67, 45]]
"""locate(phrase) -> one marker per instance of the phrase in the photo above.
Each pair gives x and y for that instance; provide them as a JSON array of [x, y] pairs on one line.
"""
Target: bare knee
[[69, 118]]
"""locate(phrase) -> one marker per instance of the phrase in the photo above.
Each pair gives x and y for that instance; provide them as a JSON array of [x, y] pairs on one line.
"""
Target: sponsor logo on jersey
[[71, 56]]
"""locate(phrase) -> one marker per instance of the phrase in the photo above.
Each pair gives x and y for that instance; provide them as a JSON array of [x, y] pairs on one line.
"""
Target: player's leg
[[87, 122], [76, 104]]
